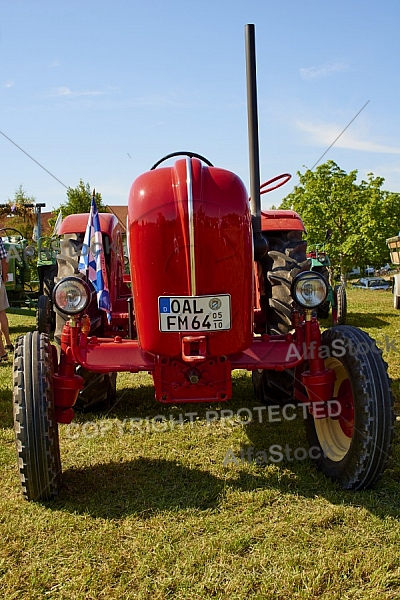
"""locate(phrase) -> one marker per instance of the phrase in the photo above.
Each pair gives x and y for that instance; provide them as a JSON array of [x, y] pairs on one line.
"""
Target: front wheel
[[339, 314], [36, 430], [43, 315], [353, 445]]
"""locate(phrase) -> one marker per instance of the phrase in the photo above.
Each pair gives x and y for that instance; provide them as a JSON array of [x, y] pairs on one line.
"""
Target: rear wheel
[[352, 446], [285, 259], [99, 391], [273, 387], [36, 430]]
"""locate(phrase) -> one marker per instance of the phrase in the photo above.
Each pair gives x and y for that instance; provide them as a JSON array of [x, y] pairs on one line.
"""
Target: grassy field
[[148, 509]]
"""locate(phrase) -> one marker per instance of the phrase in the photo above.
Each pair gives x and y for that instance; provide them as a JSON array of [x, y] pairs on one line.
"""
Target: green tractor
[[31, 272], [336, 298]]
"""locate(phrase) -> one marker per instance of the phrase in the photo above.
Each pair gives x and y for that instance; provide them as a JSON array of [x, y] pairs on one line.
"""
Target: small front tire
[[35, 426], [340, 304], [353, 446], [43, 315]]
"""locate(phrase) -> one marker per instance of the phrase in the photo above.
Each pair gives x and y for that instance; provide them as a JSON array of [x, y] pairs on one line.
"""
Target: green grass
[[153, 513]]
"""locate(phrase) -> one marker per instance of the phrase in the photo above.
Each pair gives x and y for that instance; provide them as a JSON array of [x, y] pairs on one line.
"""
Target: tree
[[360, 216], [78, 201], [381, 220], [21, 216]]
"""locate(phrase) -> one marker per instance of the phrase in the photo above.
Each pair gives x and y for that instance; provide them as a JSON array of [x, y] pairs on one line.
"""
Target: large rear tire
[[35, 426], [353, 447], [99, 391], [285, 259]]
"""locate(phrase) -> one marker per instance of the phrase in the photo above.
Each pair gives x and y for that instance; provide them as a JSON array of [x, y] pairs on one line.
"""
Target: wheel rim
[[335, 433]]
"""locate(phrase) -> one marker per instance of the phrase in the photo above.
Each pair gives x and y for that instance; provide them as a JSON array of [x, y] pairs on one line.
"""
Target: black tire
[[43, 315], [341, 304], [99, 389], [273, 387], [36, 430], [50, 273], [285, 259], [355, 446]]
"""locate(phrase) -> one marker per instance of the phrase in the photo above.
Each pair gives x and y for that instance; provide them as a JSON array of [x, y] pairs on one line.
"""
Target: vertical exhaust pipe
[[260, 243]]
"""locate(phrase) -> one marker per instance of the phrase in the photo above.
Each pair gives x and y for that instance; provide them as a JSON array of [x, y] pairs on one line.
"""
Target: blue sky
[[102, 90]]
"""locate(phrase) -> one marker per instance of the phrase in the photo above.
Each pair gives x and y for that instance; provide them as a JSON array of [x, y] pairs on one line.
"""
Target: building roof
[[121, 212]]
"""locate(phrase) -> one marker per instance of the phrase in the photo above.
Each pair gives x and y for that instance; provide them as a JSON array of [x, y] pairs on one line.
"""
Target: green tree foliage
[[361, 216], [20, 216], [78, 201]]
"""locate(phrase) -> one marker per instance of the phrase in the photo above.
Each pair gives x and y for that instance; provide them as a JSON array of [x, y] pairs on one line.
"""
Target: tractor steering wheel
[[6, 229], [285, 178], [190, 154]]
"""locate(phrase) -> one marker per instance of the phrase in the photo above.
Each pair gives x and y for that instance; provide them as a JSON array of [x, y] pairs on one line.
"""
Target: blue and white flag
[[92, 261]]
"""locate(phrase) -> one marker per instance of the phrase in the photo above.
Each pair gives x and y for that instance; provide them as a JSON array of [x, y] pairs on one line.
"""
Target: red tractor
[[214, 285]]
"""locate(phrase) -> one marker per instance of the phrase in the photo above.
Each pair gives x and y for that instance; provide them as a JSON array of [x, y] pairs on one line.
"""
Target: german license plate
[[195, 313]]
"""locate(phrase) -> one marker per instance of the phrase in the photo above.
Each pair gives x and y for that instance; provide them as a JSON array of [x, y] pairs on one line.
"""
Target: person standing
[[4, 304]]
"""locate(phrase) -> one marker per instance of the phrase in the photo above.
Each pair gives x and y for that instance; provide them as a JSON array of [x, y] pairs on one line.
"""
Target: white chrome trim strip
[[189, 184]]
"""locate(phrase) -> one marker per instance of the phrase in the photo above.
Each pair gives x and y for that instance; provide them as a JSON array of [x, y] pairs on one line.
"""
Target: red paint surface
[[159, 246]]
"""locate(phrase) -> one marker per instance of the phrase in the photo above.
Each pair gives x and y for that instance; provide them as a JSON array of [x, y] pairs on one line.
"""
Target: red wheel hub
[[346, 416]]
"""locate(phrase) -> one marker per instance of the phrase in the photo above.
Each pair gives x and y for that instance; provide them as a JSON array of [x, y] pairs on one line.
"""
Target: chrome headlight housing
[[71, 295], [309, 289]]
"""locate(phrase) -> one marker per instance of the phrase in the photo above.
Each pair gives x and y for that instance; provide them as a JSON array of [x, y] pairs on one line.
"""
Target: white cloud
[[65, 92], [324, 134], [54, 63], [317, 72], [9, 84]]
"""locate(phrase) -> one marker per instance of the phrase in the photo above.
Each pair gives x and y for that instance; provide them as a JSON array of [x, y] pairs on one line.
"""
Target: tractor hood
[[189, 230]]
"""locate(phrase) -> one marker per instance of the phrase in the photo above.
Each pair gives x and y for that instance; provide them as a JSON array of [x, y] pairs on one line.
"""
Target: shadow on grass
[[142, 486], [17, 330], [146, 487], [365, 321]]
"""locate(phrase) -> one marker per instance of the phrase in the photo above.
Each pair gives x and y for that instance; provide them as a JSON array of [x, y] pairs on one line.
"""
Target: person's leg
[[3, 353], [4, 304], [4, 327]]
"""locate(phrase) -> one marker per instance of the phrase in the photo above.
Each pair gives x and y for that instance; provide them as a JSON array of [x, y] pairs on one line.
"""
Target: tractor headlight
[[71, 295], [309, 289]]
